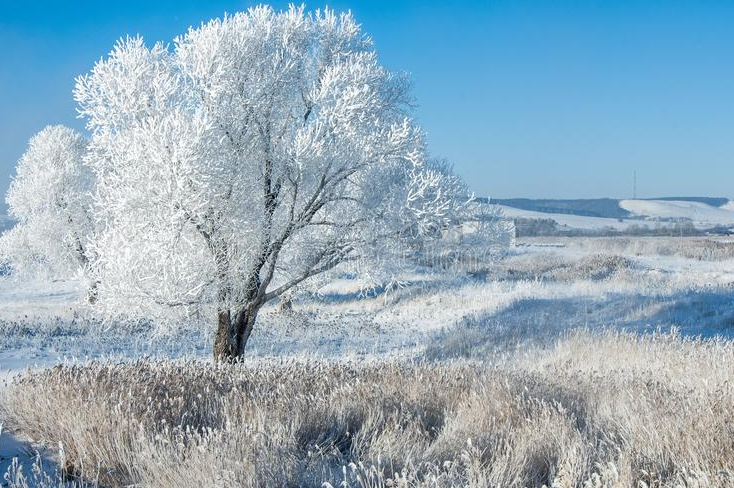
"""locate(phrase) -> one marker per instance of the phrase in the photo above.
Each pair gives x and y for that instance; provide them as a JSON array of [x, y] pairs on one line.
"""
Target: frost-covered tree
[[472, 234], [50, 199], [258, 151]]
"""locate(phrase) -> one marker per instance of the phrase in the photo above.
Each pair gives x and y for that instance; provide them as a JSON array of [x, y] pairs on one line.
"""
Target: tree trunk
[[244, 325], [232, 335], [225, 345]]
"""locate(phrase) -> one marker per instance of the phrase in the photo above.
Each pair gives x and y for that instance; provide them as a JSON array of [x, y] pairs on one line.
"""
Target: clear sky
[[554, 99]]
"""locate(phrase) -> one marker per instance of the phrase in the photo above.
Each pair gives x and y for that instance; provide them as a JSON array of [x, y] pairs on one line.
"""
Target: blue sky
[[554, 99]]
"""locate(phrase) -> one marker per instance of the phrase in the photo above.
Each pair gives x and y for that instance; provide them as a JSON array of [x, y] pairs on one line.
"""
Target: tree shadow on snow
[[540, 321]]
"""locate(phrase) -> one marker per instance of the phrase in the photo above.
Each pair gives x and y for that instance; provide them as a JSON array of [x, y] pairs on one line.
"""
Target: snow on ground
[[12, 448], [645, 213], [700, 213], [43, 323], [545, 287], [579, 221], [38, 298]]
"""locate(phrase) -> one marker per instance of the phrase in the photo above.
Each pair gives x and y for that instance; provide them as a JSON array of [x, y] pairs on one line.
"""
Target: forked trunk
[[233, 333]]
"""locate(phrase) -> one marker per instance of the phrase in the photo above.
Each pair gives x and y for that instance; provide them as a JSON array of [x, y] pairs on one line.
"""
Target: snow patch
[[577, 221], [699, 213]]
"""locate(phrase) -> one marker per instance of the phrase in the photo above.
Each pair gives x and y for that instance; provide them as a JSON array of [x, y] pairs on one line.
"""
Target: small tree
[[261, 150], [50, 198]]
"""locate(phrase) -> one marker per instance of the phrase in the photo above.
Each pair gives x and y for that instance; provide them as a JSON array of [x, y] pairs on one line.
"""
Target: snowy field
[[573, 221], [543, 289], [699, 213], [546, 283], [642, 213], [556, 283]]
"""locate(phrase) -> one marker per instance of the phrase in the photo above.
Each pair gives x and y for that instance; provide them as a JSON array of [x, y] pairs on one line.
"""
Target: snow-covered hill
[[699, 213], [570, 221], [702, 212]]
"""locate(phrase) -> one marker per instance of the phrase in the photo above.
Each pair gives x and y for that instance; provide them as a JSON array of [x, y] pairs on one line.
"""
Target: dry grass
[[698, 248], [592, 411], [595, 267]]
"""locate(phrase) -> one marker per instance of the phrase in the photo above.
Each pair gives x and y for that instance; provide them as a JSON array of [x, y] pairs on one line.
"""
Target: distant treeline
[[529, 227], [597, 207]]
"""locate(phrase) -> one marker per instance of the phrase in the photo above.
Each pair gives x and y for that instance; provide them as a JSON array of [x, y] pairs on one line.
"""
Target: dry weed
[[611, 410]]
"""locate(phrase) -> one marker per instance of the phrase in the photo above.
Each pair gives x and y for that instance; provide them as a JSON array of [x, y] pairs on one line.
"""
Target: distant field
[[573, 362], [609, 207], [573, 221], [604, 216], [697, 212]]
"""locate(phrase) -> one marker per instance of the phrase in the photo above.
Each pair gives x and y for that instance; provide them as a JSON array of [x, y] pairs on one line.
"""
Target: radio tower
[[634, 184]]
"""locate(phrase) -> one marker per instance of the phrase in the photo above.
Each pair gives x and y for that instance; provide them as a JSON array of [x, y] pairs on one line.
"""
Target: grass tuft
[[609, 410]]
